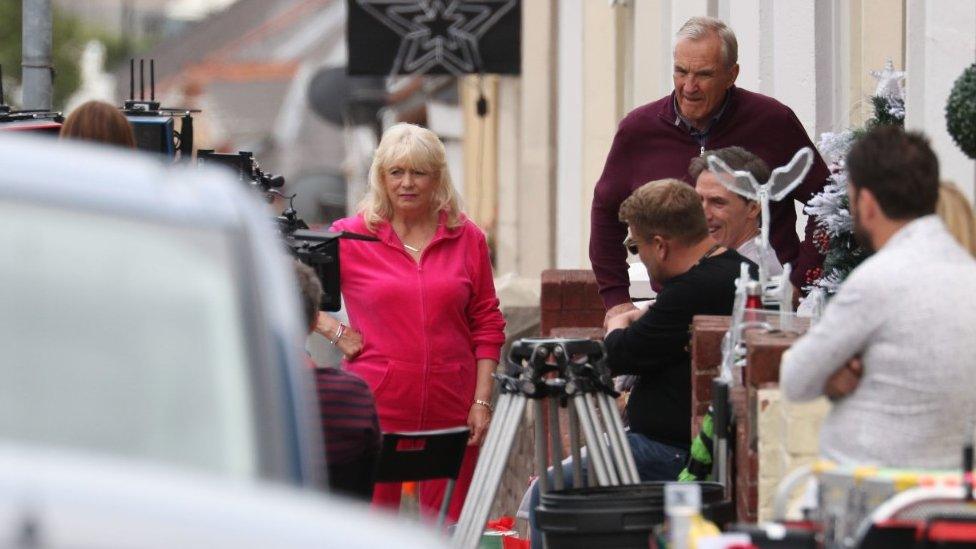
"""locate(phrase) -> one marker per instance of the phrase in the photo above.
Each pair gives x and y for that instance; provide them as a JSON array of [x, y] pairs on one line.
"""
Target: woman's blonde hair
[[957, 215], [412, 147]]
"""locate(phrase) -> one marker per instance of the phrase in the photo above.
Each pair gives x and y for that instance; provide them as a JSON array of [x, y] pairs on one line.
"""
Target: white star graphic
[[438, 32]]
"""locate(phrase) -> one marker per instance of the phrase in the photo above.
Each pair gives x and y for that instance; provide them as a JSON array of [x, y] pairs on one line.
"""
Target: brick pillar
[[764, 350], [571, 308], [746, 485], [707, 332], [570, 299]]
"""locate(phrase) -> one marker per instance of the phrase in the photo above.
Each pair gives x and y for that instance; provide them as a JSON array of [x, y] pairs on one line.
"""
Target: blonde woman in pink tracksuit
[[425, 329]]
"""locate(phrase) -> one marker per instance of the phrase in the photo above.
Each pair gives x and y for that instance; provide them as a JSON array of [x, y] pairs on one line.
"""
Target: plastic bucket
[[615, 516]]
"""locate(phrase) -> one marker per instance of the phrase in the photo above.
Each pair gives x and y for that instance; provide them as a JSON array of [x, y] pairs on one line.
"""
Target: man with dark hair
[[894, 349], [350, 425], [733, 220], [705, 111]]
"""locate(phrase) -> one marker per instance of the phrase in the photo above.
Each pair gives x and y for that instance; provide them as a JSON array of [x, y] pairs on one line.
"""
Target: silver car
[[153, 390], [59, 499], [148, 312]]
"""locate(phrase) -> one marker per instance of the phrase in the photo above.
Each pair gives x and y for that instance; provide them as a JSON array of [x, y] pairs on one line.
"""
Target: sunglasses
[[631, 245]]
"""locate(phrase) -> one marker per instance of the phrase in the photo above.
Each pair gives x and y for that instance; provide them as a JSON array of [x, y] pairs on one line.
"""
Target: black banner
[[434, 36]]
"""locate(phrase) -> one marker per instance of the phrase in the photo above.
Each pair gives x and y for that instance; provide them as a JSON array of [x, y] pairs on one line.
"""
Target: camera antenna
[[142, 80], [152, 79], [132, 79]]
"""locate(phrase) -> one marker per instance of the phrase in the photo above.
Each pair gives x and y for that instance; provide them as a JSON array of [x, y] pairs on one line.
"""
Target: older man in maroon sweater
[[705, 111]]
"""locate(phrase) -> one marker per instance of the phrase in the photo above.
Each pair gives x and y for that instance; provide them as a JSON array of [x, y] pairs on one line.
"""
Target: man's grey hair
[[701, 26]]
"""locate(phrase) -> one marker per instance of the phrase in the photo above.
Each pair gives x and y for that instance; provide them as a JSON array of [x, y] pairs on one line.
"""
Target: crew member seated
[[733, 220], [668, 231], [350, 425]]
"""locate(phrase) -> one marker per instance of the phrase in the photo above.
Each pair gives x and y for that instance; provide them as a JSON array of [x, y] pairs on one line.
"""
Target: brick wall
[[746, 486], [707, 332], [765, 432], [788, 438], [570, 298]]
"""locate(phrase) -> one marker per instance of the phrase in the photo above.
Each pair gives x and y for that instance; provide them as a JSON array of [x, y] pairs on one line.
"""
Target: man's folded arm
[[840, 335]]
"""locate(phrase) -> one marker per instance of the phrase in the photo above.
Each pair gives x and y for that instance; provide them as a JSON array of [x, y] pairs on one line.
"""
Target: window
[[123, 336]]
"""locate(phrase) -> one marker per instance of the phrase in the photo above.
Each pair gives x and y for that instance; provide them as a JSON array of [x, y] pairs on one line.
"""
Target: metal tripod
[[550, 372]]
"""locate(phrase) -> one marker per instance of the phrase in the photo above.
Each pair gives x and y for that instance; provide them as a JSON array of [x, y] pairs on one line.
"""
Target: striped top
[[349, 423]]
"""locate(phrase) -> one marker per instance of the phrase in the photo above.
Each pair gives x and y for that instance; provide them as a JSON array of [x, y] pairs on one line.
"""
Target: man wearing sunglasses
[[668, 231]]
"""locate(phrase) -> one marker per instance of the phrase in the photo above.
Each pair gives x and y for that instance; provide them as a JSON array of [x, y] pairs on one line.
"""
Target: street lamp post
[[36, 61]]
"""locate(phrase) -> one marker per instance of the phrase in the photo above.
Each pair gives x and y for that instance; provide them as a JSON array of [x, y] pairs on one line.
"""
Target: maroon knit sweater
[[650, 145]]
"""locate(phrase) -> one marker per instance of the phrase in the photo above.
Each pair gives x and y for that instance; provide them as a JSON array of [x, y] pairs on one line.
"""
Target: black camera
[[317, 249], [246, 168]]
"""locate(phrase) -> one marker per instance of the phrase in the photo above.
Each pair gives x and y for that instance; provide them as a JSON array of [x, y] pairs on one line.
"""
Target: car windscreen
[[123, 336]]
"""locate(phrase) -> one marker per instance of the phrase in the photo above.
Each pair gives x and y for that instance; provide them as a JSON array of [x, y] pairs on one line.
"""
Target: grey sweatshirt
[[909, 312]]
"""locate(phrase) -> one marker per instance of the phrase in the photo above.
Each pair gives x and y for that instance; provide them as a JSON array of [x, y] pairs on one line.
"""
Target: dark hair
[[101, 122], [311, 288], [900, 170], [735, 158], [666, 207]]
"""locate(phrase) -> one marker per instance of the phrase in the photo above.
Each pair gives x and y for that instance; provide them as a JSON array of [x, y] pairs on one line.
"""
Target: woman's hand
[[351, 343], [478, 420], [351, 340], [479, 416]]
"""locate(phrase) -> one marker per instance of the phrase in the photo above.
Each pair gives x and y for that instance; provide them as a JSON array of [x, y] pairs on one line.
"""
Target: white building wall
[[812, 55], [569, 176], [941, 42], [794, 59]]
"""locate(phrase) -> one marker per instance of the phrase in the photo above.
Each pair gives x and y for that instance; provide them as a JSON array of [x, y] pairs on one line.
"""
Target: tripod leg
[[618, 440], [628, 453], [591, 479], [488, 471], [599, 450], [574, 447], [541, 455], [592, 442], [556, 444], [487, 496], [613, 439], [489, 449]]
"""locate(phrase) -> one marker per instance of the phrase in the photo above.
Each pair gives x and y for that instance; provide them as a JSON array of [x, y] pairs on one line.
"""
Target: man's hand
[[623, 320], [617, 310], [845, 380]]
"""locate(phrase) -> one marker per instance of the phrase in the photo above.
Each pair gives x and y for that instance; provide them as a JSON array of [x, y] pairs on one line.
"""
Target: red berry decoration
[[813, 274], [821, 240]]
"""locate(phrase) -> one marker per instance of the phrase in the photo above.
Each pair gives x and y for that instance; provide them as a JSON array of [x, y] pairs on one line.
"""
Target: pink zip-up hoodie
[[424, 324]]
